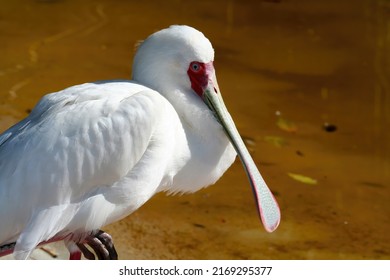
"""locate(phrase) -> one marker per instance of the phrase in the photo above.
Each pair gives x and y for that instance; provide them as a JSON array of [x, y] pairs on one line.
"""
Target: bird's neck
[[210, 151]]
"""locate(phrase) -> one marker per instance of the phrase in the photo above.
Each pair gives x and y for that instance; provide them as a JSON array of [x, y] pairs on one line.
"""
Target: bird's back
[[76, 144]]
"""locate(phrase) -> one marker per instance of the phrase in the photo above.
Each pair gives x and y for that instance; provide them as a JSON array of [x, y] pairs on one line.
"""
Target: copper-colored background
[[315, 62]]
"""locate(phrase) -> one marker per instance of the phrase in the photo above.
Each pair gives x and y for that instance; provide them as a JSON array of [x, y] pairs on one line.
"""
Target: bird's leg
[[74, 251], [101, 243]]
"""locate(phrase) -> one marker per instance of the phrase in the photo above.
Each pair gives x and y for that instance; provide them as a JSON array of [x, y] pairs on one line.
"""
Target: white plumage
[[93, 153]]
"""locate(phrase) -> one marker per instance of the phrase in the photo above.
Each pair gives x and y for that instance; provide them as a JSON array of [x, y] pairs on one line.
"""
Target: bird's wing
[[75, 140]]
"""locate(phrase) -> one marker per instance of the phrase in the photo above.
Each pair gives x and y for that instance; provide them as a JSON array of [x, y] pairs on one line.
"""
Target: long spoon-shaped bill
[[267, 206]]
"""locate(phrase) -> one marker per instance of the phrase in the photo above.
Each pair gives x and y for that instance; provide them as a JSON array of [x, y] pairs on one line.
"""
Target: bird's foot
[[99, 244]]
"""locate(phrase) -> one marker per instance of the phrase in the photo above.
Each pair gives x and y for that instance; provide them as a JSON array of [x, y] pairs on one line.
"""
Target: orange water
[[285, 68]]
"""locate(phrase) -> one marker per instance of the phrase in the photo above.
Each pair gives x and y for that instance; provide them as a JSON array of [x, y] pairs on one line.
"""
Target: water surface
[[307, 83]]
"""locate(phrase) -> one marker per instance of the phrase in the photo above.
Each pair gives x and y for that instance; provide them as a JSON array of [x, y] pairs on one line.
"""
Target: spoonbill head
[[178, 62], [94, 153]]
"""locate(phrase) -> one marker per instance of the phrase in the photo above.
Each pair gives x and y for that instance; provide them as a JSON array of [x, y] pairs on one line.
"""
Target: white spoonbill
[[91, 154]]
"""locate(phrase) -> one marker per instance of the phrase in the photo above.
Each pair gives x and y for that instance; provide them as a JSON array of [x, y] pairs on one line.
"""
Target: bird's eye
[[195, 66]]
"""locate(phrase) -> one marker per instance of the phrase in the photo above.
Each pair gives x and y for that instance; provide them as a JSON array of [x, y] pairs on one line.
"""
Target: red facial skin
[[198, 72]]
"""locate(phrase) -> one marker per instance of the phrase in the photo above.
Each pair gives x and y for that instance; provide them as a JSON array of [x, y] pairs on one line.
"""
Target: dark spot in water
[[198, 225], [329, 127], [299, 153], [381, 251]]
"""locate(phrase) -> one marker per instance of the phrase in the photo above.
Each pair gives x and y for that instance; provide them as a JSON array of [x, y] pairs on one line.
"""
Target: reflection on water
[[288, 70]]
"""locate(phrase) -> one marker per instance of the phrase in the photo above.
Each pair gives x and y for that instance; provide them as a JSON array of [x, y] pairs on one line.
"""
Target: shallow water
[[307, 83]]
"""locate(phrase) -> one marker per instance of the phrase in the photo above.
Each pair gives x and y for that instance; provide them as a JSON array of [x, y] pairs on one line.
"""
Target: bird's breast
[[208, 157]]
